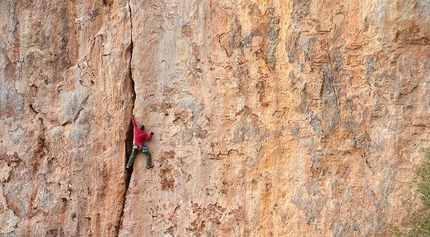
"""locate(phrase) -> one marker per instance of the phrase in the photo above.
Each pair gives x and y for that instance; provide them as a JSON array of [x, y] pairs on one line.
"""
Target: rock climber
[[139, 137]]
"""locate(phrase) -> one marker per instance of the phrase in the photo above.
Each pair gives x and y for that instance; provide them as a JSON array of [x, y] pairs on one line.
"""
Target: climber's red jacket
[[139, 135]]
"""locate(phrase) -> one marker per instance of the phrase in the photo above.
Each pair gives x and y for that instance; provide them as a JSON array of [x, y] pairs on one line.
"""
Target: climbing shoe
[[149, 166], [127, 168]]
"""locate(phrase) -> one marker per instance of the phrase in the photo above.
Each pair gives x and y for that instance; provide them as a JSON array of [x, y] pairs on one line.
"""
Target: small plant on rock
[[420, 212]]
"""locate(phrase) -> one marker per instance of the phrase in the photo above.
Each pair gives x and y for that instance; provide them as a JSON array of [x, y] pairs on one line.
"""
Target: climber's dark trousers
[[134, 154]]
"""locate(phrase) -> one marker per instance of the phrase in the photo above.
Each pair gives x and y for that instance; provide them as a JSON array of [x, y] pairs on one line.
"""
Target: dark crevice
[[81, 107], [130, 132], [33, 109]]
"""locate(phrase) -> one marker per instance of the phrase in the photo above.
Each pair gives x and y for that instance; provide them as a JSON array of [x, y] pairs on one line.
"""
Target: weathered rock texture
[[271, 118]]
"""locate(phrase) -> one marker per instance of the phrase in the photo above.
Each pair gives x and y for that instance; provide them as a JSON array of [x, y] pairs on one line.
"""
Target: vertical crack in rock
[[129, 134]]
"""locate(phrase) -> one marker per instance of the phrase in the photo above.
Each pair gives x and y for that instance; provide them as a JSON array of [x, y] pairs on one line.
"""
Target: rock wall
[[66, 101], [271, 118]]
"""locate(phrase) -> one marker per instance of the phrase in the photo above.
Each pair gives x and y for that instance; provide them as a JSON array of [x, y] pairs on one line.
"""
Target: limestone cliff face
[[66, 101], [271, 118]]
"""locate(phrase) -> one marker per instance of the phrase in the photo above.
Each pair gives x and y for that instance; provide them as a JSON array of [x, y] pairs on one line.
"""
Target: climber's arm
[[134, 122], [148, 138]]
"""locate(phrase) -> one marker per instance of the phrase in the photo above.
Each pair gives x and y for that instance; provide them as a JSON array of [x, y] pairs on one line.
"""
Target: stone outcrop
[[66, 101], [271, 118]]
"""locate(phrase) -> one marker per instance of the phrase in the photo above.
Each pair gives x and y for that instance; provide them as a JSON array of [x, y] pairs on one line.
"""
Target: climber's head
[[142, 127]]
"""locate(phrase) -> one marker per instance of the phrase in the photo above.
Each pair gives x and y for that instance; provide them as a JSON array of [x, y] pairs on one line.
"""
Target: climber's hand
[[152, 133]]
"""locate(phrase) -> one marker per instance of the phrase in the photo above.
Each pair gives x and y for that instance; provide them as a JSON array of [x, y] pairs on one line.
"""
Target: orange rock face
[[271, 118]]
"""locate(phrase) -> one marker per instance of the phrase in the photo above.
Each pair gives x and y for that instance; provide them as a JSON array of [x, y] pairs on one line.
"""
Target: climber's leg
[[132, 157], [148, 160]]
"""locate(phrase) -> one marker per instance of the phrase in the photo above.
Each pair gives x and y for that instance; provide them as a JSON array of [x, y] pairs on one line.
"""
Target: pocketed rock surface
[[271, 118]]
